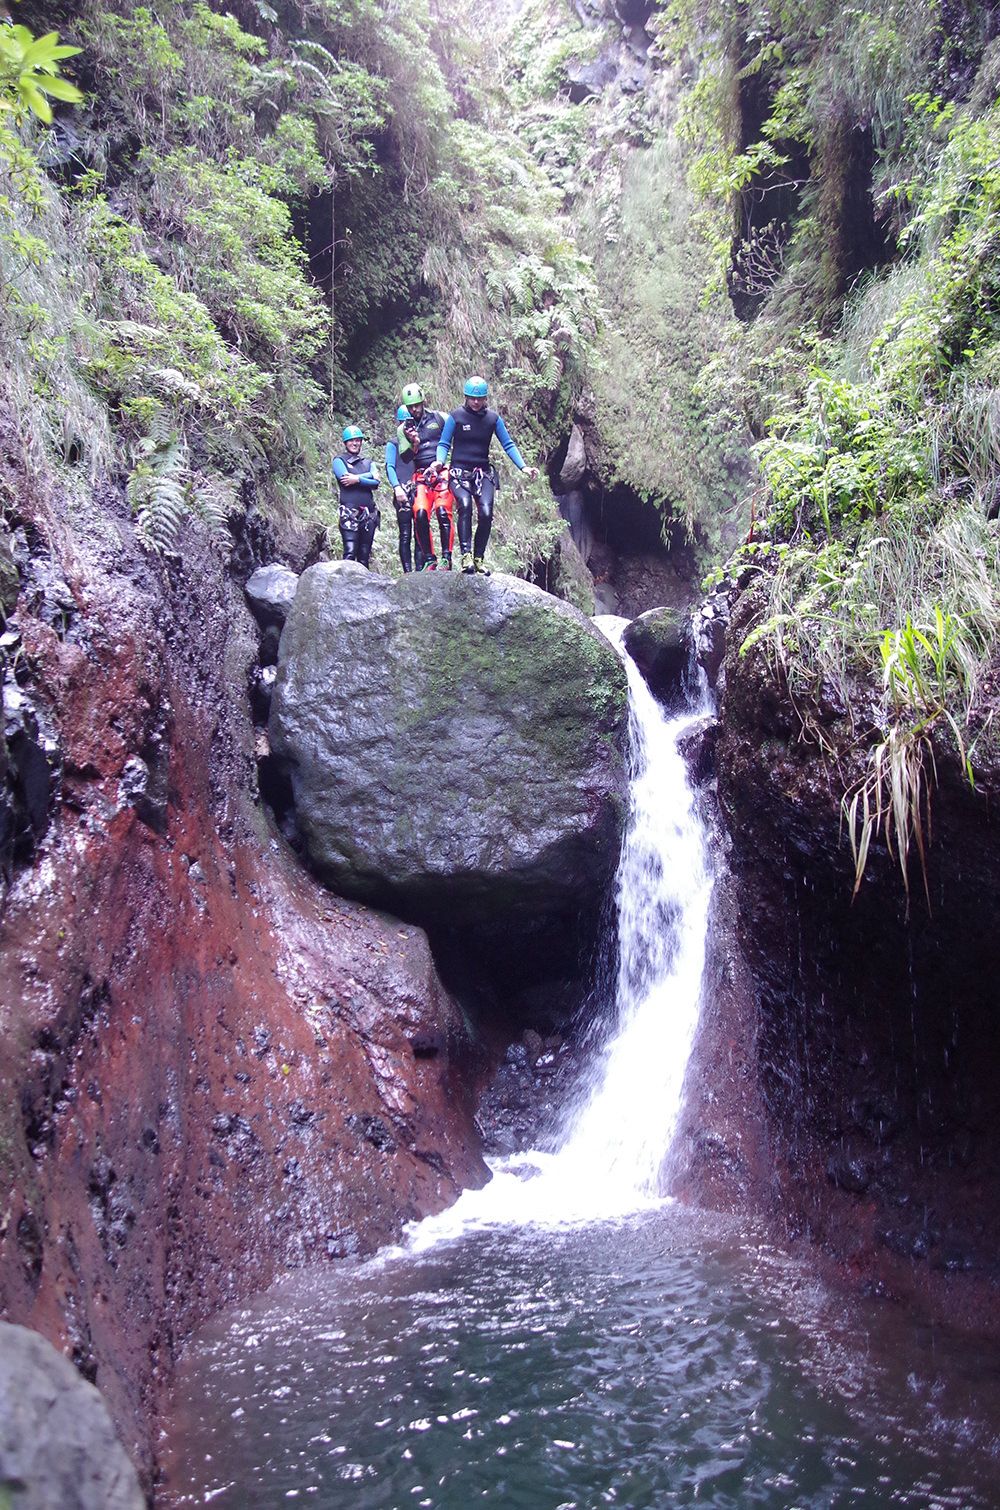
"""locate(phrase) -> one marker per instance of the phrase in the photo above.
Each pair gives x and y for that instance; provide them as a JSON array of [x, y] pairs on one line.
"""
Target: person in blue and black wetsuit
[[467, 435], [357, 480], [419, 435], [399, 471]]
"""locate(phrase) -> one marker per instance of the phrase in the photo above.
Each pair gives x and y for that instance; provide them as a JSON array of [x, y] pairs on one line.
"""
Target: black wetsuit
[[471, 432], [359, 515], [399, 471]]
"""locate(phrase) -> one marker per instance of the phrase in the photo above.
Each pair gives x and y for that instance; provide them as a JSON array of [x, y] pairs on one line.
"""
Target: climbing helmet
[[476, 387], [352, 432]]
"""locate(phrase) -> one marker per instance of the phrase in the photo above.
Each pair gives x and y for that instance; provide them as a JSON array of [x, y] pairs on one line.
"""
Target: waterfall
[[618, 1134], [623, 1130]]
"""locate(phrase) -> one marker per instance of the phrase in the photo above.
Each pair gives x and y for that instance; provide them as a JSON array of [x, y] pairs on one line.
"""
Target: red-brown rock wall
[[211, 1068]]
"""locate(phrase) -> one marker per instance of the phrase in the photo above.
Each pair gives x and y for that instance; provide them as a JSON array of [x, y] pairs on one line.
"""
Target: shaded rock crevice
[[877, 1024]]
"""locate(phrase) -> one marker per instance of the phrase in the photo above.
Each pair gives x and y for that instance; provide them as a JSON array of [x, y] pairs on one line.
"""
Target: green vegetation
[[185, 322], [857, 153]]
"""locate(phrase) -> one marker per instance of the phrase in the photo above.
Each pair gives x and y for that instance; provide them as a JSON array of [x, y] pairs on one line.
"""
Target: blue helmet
[[352, 432], [476, 387], [402, 413]]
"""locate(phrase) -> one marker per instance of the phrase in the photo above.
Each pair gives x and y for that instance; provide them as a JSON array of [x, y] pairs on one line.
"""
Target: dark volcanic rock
[[10, 582], [660, 644], [708, 629], [57, 1444], [526, 1098], [878, 1033], [455, 744]]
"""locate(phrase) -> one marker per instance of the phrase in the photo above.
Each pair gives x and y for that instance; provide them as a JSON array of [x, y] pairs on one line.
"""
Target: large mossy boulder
[[455, 745]]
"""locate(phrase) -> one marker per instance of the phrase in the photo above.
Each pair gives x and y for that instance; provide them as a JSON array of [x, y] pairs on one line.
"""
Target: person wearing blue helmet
[[357, 480], [468, 434], [399, 472]]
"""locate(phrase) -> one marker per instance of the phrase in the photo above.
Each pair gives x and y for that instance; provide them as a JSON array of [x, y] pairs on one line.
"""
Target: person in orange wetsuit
[[419, 438]]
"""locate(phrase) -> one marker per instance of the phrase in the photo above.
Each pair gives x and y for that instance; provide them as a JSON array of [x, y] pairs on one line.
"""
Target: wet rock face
[[210, 1068], [57, 1444], [528, 1096], [878, 1034], [456, 745]]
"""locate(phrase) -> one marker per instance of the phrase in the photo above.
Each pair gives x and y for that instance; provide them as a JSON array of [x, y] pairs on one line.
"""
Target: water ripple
[[655, 1364]]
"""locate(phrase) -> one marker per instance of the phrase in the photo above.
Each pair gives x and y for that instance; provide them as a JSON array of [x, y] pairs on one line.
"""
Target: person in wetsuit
[[419, 435], [468, 434], [357, 480], [399, 471]]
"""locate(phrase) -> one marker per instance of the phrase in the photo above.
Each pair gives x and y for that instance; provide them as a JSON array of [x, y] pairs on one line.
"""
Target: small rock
[[373, 1130], [270, 592], [660, 644], [848, 1172], [574, 467]]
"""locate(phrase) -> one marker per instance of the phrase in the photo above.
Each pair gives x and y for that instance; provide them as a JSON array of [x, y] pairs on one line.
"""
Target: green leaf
[[34, 99], [60, 89]]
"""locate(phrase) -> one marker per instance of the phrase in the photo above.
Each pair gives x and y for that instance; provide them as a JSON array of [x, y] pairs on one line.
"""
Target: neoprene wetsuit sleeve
[[447, 434], [503, 436], [369, 480], [339, 467], [391, 457]]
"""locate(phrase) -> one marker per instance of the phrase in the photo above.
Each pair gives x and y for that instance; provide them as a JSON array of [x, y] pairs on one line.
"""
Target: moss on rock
[[456, 744]]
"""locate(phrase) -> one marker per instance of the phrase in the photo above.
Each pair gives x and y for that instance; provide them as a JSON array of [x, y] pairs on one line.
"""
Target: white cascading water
[[618, 1136]]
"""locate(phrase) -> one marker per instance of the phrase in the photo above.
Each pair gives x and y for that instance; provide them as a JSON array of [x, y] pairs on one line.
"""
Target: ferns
[[163, 491]]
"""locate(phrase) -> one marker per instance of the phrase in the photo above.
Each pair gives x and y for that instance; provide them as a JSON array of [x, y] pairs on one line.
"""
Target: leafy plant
[[163, 492], [30, 73], [920, 669]]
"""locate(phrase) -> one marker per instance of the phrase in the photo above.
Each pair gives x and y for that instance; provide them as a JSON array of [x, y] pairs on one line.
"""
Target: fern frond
[[165, 502], [314, 50], [213, 499]]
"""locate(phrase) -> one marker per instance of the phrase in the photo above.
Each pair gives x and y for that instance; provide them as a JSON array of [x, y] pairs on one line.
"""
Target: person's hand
[[531, 473], [400, 494]]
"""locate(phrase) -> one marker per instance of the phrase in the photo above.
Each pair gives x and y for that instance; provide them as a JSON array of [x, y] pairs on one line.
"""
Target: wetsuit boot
[[424, 543]]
